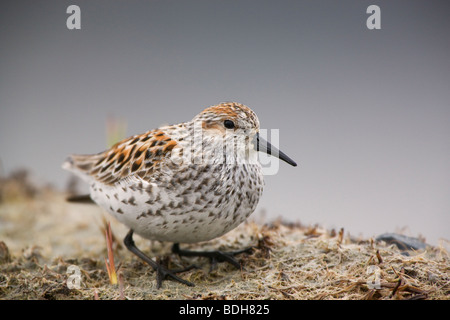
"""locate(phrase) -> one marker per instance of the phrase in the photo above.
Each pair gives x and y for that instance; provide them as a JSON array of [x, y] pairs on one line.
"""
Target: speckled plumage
[[190, 182]]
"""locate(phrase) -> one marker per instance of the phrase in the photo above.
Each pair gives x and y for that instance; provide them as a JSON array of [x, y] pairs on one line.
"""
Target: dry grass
[[41, 236]]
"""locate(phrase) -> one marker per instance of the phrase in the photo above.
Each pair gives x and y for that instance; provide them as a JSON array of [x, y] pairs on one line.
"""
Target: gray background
[[365, 113]]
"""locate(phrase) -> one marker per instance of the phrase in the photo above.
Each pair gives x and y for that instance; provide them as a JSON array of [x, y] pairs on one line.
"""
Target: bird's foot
[[162, 272], [214, 256]]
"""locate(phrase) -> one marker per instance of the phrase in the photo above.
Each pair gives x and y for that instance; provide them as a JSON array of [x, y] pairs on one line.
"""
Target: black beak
[[265, 146]]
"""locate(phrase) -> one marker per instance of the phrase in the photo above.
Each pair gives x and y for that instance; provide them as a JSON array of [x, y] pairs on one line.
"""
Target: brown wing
[[138, 155]]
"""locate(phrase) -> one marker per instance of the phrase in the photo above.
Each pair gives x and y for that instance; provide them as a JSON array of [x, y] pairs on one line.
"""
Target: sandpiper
[[182, 183]]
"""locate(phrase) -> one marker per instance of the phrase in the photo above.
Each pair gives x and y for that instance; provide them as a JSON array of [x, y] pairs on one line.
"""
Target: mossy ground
[[41, 236]]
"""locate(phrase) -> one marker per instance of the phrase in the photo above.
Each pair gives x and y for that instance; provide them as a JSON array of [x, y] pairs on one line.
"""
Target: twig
[[380, 259], [341, 236], [121, 287], [110, 266]]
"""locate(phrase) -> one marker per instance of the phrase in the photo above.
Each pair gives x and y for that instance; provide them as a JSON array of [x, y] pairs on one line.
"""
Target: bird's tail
[[81, 164], [84, 198]]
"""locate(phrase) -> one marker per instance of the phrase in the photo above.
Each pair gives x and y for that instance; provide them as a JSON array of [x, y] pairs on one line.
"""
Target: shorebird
[[183, 183]]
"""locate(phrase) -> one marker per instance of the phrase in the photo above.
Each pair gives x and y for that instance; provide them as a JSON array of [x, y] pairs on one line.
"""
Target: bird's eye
[[228, 124]]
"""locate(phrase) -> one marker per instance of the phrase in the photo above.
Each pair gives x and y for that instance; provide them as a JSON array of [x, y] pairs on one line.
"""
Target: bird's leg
[[214, 256], [161, 272]]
